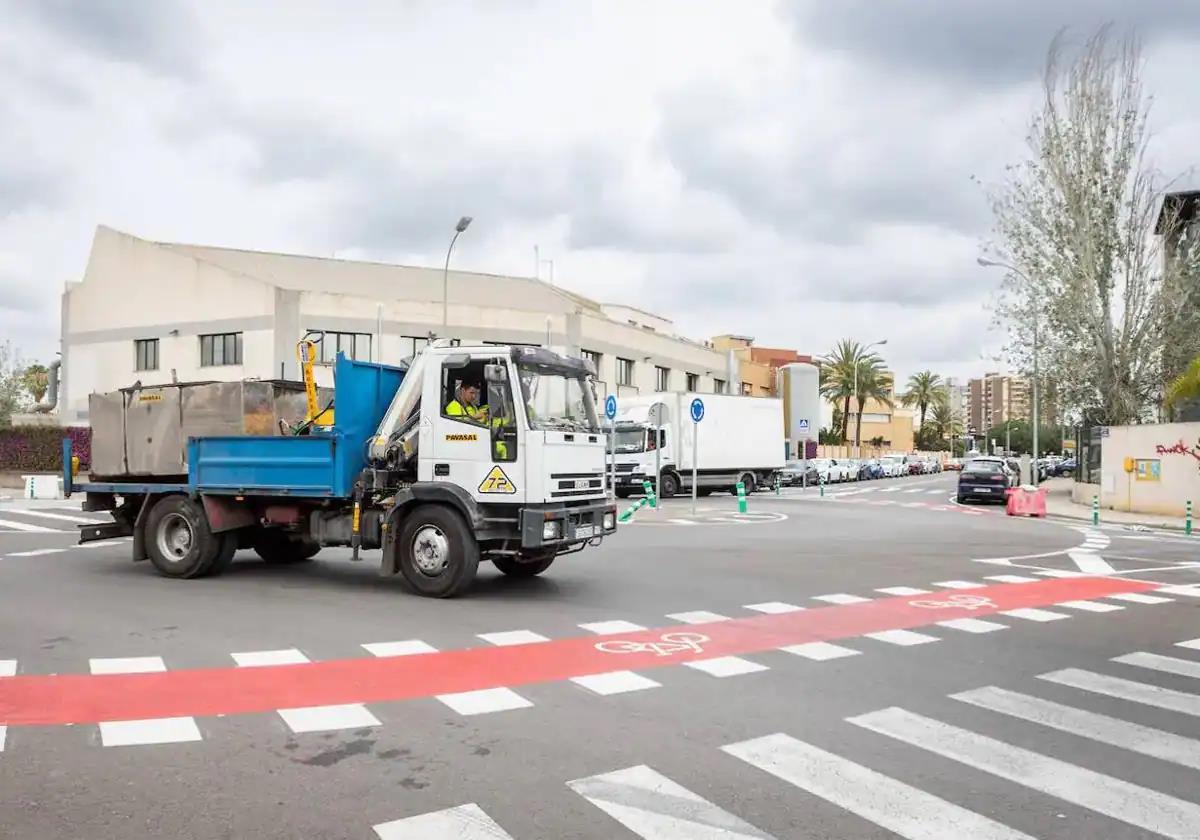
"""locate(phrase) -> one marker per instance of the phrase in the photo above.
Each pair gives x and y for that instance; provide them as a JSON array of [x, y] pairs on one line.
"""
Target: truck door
[[476, 437]]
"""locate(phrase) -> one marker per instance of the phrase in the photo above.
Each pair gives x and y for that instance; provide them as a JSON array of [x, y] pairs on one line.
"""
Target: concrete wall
[[1176, 448]]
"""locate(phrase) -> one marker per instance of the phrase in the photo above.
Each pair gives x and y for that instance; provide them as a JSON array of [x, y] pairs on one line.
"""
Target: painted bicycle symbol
[[966, 602], [666, 645]]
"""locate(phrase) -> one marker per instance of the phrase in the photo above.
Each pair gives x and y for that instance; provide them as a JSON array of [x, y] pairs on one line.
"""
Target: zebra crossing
[[1131, 717], [46, 520]]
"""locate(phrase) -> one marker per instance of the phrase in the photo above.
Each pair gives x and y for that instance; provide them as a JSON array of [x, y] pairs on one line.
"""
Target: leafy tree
[[924, 388], [36, 379], [1096, 280], [12, 390], [876, 441], [1186, 386], [873, 384], [944, 422]]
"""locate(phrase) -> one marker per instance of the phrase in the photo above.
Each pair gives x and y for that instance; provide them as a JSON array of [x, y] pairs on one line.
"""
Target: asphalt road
[[804, 687]]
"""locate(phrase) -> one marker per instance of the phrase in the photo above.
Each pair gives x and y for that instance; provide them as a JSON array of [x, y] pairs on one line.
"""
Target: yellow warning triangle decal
[[496, 482]]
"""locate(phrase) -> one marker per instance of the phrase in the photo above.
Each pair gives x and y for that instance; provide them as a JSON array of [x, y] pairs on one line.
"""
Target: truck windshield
[[558, 400], [630, 440]]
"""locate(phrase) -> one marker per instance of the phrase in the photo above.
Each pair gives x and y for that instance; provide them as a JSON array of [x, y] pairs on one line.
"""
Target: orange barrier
[[1026, 502]]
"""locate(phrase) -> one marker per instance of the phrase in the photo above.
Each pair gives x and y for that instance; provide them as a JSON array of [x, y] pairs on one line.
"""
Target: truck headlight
[[610, 521], [551, 530]]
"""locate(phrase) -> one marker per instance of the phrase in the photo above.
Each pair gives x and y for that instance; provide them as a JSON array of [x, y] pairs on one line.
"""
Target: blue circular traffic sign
[[697, 410], [610, 406]]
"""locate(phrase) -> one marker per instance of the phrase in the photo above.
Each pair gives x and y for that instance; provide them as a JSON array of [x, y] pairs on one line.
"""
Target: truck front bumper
[[562, 525], [633, 479]]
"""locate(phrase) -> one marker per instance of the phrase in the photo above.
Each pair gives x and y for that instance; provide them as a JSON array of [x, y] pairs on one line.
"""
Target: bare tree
[[1088, 284]]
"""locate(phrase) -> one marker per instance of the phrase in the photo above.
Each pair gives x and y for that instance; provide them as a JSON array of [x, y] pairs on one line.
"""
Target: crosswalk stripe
[[958, 584], [507, 638], [1107, 730], [653, 807], [615, 682], [128, 733], [916, 490], [63, 517], [604, 628], [841, 598], [1090, 606], [1061, 573], [725, 666], [890, 804], [484, 701], [936, 492], [466, 822], [972, 625], [1193, 644], [24, 526], [1122, 689], [904, 638], [1166, 664], [774, 607], [697, 617], [37, 552], [820, 651], [1088, 561], [8, 667], [1031, 614], [902, 590], [1115, 798], [1011, 579], [1138, 598], [127, 665], [328, 718]]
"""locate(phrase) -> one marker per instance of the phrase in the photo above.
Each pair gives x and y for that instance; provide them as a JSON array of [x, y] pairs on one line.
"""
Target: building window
[[693, 382], [662, 378], [356, 346], [145, 353], [220, 349], [624, 371], [593, 357], [718, 386], [747, 389]]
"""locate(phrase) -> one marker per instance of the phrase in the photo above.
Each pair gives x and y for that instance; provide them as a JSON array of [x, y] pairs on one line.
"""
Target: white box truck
[[740, 439]]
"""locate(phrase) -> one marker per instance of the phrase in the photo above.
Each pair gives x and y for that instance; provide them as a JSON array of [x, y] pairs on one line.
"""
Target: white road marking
[[8, 667], [820, 651], [904, 638], [1193, 644], [1030, 614], [3, 737], [508, 638], [892, 489], [1089, 562], [902, 590], [22, 526], [126, 733], [958, 584], [972, 625], [127, 665], [1166, 664], [466, 822], [1134, 692], [408, 647], [841, 598], [1011, 579], [681, 522], [484, 701], [605, 628], [328, 718], [1115, 798], [1139, 598], [1192, 589], [45, 514], [995, 561], [653, 807], [890, 804], [37, 552], [258, 658], [774, 607], [101, 544], [1090, 606], [615, 682], [1107, 730], [726, 666], [697, 617], [1060, 573]]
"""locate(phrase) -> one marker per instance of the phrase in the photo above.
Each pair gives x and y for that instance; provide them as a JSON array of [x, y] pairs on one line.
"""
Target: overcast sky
[[795, 171]]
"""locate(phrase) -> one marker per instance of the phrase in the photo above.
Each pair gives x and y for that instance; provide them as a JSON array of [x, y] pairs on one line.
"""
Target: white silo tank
[[798, 385]]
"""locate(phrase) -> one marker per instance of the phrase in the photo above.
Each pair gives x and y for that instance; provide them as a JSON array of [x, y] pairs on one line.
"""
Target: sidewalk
[[1060, 504]]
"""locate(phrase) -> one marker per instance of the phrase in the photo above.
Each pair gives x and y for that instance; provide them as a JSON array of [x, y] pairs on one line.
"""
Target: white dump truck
[[740, 439]]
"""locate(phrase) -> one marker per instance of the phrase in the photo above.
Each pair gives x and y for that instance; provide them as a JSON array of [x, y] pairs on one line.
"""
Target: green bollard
[[821, 483], [1187, 525], [648, 494], [631, 510], [779, 483], [741, 490], [1095, 510]]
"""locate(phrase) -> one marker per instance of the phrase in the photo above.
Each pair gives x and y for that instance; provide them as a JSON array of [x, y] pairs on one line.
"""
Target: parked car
[[953, 464], [870, 469], [825, 469], [852, 466], [1012, 476], [914, 467], [893, 465], [793, 474], [1066, 467], [983, 478]]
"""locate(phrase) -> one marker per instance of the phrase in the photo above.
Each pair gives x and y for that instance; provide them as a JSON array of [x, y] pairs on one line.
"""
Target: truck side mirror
[[495, 374]]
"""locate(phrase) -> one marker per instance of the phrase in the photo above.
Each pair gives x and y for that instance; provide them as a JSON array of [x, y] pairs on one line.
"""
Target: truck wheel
[[704, 491], [525, 567], [747, 481], [668, 485], [178, 539], [623, 493], [437, 553], [224, 558], [279, 547]]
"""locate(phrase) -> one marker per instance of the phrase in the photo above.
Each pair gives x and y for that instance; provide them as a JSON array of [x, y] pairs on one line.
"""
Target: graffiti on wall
[[1180, 448]]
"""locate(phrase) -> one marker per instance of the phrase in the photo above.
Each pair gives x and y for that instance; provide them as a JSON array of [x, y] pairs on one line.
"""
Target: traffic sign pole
[[697, 411], [610, 411]]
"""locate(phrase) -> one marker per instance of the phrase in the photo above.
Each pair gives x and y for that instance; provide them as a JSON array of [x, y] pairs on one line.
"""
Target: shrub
[[39, 448]]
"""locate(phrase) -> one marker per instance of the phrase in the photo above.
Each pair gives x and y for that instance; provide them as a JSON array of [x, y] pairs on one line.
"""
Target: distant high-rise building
[[996, 398]]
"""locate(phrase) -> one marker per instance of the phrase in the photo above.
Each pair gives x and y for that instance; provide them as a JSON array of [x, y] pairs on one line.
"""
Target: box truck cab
[[739, 439]]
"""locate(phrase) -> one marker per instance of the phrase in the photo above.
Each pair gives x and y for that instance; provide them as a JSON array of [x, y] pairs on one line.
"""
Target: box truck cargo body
[[739, 439]]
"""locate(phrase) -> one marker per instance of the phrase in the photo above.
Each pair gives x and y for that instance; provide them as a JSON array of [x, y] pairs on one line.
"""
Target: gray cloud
[[23, 188]]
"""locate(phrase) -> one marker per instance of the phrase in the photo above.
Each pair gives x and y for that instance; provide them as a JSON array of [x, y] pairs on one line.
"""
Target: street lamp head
[[463, 224], [986, 263]]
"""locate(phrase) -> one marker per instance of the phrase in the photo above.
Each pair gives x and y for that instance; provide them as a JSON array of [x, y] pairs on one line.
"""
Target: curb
[[1088, 519]]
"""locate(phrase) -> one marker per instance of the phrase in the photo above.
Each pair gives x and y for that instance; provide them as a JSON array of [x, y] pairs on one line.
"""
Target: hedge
[[39, 448]]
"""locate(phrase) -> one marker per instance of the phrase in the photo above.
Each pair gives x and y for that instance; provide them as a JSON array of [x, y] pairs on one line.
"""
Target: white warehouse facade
[[160, 312]]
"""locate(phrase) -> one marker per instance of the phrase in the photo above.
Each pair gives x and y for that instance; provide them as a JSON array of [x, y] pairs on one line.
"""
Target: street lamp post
[[463, 224], [985, 262], [858, 417]]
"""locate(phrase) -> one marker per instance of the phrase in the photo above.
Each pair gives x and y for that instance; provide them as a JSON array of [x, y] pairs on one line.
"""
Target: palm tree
[[1187, 386], [945, 421], [873, 384], [837, 377], [924, 389]]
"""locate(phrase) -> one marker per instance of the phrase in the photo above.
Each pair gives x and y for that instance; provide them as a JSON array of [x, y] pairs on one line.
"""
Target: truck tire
[[279, 547], [668, 485], [436, 552], [525, 567], [178, 538], [623, 493], [704, 491], [747, 481], [224, 558]]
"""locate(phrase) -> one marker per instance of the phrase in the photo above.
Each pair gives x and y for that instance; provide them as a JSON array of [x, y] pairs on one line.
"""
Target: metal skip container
[[144, 430]]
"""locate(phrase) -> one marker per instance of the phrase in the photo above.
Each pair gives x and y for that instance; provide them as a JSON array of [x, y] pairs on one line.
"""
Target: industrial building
[[158, 312]]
